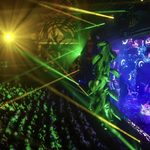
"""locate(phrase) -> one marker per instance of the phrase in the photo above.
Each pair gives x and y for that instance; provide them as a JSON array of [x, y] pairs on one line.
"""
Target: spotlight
[[9, 37]]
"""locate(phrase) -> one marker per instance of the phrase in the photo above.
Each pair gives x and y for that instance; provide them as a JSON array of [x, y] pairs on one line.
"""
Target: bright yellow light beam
[[62, 12], [80, 10], [41, 87], [92, 113]]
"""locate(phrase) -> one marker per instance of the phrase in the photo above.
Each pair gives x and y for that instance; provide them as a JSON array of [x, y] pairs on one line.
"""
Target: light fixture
[[9, 37]]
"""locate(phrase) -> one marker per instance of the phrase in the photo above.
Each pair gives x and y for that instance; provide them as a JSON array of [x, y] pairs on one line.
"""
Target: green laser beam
[[44, 65], [71, 88], [82, 90], [115, 132], [91, 27], [111, 11], [105, 12], [39, 66]]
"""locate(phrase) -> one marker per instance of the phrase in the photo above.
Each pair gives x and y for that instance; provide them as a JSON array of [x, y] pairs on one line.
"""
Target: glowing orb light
[[9, 37]]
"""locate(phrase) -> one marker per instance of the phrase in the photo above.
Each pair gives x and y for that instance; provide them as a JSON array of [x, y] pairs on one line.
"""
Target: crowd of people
[[43, 120]]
